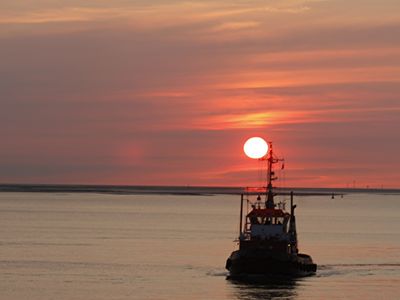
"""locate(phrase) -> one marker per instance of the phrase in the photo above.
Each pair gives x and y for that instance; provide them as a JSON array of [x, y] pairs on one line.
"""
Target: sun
[[255, 147]]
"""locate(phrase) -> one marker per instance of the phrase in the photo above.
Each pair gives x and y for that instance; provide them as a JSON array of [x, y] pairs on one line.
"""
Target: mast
[[292, 227], [270, 196], [271, 176], [241, 216]]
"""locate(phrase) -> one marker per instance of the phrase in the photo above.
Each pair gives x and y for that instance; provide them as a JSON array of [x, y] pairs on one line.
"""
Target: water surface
[[102, 246]]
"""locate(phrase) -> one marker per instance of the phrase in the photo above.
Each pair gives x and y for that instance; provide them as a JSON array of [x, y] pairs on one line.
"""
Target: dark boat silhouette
[[268, 238]]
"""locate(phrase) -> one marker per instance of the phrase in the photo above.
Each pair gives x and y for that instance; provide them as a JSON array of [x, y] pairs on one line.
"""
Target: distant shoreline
[[178, 190]]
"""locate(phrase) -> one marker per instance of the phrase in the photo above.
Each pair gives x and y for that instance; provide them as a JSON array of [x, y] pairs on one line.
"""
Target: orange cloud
[[248, 120]]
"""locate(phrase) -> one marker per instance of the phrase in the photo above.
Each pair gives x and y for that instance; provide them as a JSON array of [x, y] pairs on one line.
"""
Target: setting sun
[[255, 147]]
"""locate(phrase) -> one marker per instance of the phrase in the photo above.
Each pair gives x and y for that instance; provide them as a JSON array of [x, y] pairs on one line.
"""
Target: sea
[[74, 244]]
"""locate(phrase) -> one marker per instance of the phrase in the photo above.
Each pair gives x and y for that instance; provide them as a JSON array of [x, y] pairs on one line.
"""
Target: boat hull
[[263, 263]]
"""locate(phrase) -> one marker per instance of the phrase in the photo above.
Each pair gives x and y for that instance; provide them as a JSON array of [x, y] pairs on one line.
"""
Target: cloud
[[50, 16], [236, 26], [206, 19]]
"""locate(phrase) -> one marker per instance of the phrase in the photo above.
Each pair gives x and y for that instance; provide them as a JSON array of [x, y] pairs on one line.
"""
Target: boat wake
[[217, 273], [357, 269], [362, 265]]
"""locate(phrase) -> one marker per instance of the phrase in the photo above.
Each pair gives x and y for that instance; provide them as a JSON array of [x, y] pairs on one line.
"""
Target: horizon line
[[177, 189]]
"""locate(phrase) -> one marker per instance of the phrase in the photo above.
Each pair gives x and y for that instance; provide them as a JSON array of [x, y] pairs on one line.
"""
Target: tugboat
[[268, 240]]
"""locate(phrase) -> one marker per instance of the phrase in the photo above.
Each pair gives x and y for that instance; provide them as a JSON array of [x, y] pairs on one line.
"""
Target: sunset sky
[[166, 92]]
